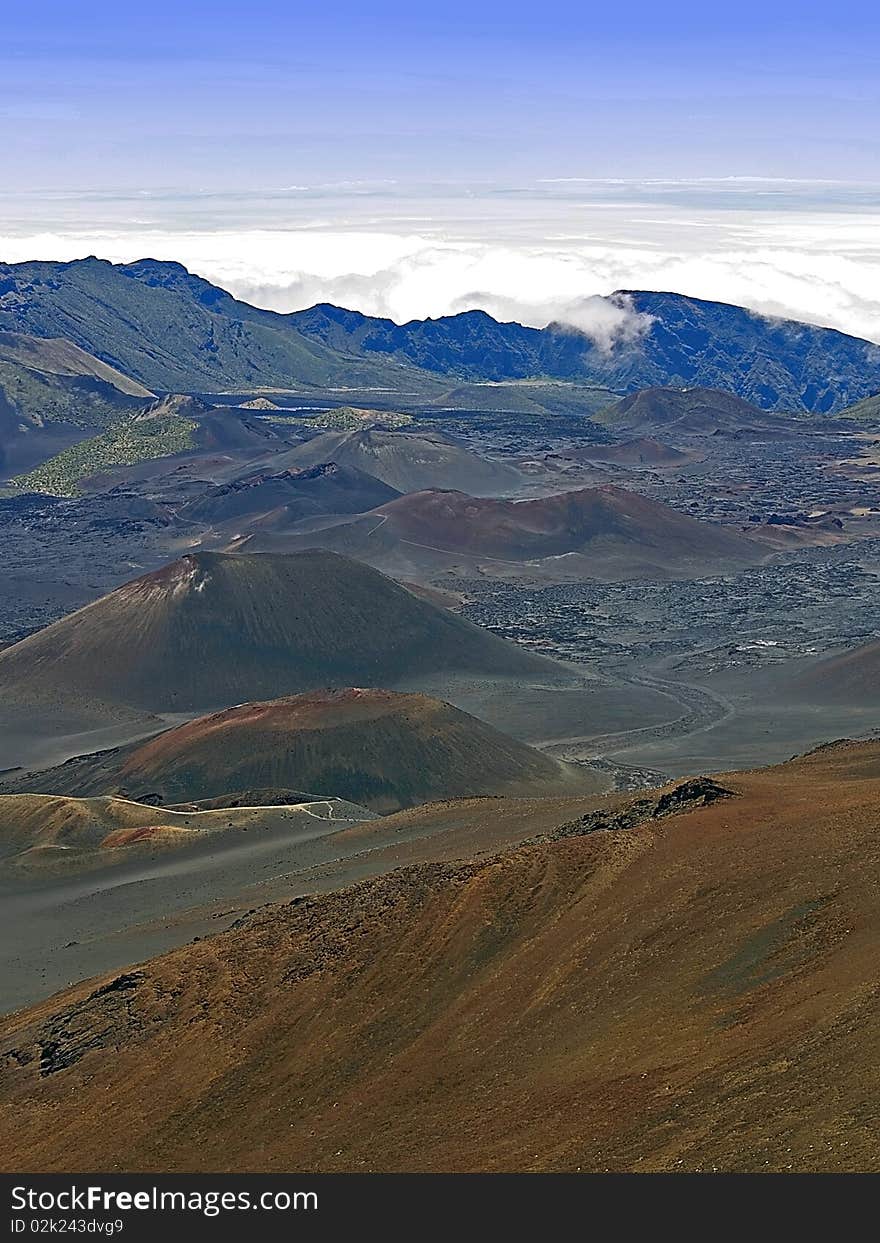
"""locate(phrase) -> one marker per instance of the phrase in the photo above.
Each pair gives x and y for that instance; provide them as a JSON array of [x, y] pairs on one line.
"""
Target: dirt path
[[702, 709]]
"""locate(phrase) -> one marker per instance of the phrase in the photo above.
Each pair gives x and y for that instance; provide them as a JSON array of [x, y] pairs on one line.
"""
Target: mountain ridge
[[171, 329], [686, 342]]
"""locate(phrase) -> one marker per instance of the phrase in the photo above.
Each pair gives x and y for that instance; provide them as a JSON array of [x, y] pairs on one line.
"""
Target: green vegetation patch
[[44, 399], [347, 419], [126, 444], [350, 418], [867, 410]]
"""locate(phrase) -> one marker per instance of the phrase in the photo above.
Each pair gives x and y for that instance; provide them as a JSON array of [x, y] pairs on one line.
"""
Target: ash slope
[[693, 992], [408, 461], [213, 629], [643, 452], [606, 532], [371, 747], [850, 677], [701, 411], [283, 498]]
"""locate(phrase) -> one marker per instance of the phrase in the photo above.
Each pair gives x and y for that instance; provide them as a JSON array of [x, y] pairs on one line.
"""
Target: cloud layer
[[533, 257]]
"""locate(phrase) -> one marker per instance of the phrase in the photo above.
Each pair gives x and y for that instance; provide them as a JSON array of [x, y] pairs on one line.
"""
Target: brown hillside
[[45, 834], [373, 747], [594, 521], [606, 533], [645, 451], [848, 677], [694, 992]]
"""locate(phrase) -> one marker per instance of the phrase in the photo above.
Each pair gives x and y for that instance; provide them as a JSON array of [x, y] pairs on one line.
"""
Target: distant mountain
[[172, 330], [688, 410], [372, 747], [212, 629], [409, 461], [52, 394], [471, 345], [778, 364], [288, 496], [606, 533]]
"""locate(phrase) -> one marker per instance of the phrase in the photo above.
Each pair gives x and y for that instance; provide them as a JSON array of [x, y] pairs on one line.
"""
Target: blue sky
[[578, 143], [184, 94]]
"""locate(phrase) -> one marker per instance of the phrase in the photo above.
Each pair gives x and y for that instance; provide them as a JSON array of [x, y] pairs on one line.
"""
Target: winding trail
[[380, 523], [702, 710]]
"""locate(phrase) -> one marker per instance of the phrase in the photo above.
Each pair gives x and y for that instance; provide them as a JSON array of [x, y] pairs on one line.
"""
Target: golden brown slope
[[54, 834], [591, 521], [698, 992]]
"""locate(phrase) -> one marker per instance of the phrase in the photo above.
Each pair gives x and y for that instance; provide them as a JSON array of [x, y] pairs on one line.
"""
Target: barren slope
[[849, 677], [212, 629], [591, 533], [409, 461], [373, 747], [282, 498], [693, 992], [700, 410]]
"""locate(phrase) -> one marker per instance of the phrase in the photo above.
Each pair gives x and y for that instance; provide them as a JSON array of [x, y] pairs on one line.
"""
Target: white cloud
[[608, 322], [529, 258]]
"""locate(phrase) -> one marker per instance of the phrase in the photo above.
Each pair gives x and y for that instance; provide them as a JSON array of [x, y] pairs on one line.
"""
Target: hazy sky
[[412, 159]]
